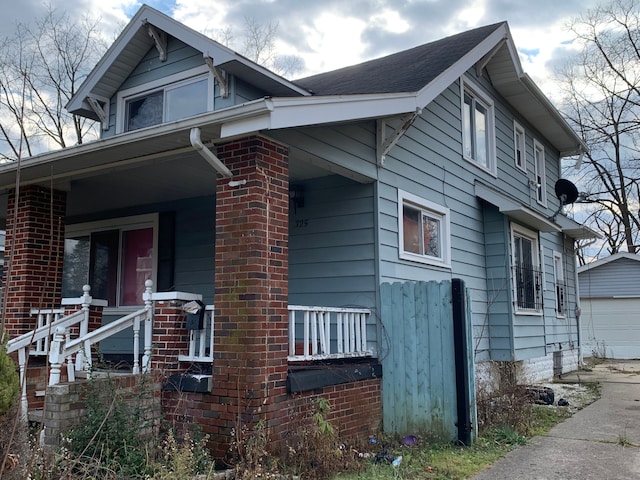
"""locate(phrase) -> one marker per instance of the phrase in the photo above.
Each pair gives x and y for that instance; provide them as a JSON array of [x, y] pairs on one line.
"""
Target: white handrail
[[44, 331], [41, 335]]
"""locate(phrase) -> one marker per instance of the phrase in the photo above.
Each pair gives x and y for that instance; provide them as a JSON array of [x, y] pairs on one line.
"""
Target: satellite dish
[[566, 191]]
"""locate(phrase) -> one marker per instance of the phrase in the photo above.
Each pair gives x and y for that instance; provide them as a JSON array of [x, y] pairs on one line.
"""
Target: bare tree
[[50, 58], [601, 86], [258, 43]]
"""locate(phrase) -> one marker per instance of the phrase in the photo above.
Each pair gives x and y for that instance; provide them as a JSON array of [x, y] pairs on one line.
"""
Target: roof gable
[[134, 43], [620, 256]]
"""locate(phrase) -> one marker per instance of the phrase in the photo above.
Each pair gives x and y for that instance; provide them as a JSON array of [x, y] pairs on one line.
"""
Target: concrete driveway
[[601, 441]]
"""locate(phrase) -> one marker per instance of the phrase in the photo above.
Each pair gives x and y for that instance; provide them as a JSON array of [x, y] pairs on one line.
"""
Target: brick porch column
[[34, 252], [251, 292]]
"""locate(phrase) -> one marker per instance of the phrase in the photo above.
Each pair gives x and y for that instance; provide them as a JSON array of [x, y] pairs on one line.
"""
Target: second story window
[[478, 129], [163, 101], [540, 171]]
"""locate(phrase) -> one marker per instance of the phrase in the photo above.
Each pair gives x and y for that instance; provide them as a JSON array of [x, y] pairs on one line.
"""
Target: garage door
[[611, 327]]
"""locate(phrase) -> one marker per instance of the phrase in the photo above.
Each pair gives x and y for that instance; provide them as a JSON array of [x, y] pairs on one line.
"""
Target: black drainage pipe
[[461, 352]]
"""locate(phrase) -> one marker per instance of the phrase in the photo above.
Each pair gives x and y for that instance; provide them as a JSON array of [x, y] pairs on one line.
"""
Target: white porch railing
[[319, 333], [49, 321], [201, 341]]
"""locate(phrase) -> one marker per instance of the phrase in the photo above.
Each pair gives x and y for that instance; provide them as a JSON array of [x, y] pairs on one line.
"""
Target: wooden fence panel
[[419, 380]]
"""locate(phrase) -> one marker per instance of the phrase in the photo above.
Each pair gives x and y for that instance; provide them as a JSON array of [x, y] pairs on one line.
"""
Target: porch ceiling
[[161, 168]]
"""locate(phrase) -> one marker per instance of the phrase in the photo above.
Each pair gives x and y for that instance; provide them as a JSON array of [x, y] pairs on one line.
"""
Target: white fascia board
[[116, 48], [213, 49], [454, 72], [288, 112], [533, 89]]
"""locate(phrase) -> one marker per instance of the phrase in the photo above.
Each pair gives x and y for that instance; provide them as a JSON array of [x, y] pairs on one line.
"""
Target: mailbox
[[194, 311]]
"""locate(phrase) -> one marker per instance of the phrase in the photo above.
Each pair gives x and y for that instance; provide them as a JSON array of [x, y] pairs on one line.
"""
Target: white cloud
[[334, 41], [390, 20]]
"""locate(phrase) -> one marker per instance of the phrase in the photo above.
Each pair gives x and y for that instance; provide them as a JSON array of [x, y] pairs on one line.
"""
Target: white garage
[[610, 303]]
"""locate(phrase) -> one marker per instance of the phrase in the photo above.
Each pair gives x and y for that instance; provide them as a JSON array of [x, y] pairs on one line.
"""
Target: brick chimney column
[[251, 291], [34, 254]]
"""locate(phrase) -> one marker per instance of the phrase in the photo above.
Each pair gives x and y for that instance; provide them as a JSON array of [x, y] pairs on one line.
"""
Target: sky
[[329, 34]]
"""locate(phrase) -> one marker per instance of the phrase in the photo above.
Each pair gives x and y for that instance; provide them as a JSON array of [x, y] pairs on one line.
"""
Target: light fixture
[[296, 196]]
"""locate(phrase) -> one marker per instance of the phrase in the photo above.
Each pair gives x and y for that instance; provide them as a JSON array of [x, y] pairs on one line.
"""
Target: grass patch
[[439, 460], [544, 418], [432, 460]]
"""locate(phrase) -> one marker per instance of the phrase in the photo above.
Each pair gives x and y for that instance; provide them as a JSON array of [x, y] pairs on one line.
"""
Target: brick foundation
[[356, 408], [356, 414]]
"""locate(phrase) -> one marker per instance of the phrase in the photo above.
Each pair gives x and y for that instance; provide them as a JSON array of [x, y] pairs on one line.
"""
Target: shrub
[[117, 428], [9, 380]]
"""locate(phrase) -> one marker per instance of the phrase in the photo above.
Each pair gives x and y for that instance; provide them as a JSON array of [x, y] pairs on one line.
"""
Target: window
[[527, 277], [178, 96], [115, 258], [558, 273], [541, 177], [423, 230], [519, 142], [477, 129]]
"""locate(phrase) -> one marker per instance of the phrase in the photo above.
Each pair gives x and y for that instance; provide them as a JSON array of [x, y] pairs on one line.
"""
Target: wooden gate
[[419, 366]]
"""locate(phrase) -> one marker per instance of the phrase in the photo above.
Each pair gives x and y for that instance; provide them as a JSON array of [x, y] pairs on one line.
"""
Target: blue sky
[[329, 34]]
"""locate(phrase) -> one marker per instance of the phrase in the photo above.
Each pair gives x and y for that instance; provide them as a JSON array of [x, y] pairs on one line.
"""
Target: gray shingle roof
[[406, 71]]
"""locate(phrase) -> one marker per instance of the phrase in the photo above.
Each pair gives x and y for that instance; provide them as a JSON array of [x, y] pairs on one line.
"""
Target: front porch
[[163, 339]]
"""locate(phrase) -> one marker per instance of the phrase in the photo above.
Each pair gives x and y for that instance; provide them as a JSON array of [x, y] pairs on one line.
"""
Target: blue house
[[377, 234]]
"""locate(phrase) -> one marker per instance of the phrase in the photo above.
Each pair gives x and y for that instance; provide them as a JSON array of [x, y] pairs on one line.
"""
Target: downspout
[[578, 309], [207, 154]]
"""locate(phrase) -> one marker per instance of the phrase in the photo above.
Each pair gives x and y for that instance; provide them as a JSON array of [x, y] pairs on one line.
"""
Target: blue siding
[[427, 161], [495, 331], [331, 245]]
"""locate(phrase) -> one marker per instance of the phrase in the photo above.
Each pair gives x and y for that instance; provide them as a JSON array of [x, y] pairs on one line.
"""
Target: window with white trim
[[478, 133], [560, 285], [175, 97], [526, 273], [114, 258], [540, 171], [423, 230], [519, 146]]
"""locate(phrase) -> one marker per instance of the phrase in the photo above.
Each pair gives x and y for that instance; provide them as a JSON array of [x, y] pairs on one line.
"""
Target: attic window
[[145, 111], [142, 107]]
